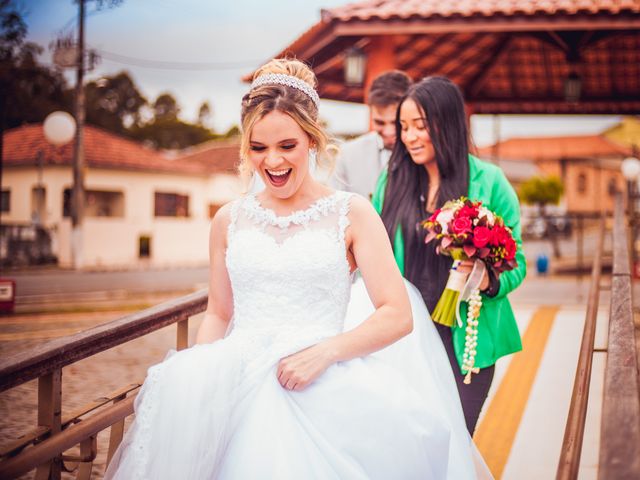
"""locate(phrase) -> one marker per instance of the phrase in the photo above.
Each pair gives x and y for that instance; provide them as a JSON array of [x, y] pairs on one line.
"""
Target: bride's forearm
[[211, 329], [384, 327]]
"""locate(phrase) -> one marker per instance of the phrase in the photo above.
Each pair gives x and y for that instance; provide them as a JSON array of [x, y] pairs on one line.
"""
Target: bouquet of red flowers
[[465, 230]]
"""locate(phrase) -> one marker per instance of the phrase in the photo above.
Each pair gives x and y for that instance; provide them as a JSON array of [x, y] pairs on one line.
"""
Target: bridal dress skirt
[[217, 411]]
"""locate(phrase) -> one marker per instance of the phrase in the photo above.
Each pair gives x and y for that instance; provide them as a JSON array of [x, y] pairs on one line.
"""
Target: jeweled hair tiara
[[289, 81]]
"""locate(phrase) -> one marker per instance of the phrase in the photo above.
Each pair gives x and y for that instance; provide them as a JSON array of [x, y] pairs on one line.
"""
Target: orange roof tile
[[219, 156], [508, 56], [102, 150], [404, 9], [555, 148]]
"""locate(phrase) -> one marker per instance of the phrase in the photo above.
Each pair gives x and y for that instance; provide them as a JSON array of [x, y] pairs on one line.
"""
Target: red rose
[[467, 211], [481, 236], [510, 249], [499, 236], [461, 225]]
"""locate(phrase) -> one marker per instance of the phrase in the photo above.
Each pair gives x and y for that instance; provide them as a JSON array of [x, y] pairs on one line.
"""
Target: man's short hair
[[388, 88]]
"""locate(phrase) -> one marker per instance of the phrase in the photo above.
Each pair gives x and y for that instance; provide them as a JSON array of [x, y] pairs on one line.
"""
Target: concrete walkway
[[522, 425]]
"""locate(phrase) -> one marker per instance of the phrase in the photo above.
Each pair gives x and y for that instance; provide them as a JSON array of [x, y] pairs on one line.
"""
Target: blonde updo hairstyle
[[265, 99]]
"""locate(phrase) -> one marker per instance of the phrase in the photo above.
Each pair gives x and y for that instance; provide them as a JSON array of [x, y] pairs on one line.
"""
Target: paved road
[[51, 282]]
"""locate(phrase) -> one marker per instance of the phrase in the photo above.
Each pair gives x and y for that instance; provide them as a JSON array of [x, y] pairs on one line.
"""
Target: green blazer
[[497, 329]]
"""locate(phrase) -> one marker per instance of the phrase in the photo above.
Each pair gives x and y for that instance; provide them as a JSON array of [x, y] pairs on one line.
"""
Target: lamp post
[[59, 129], [631, 171]]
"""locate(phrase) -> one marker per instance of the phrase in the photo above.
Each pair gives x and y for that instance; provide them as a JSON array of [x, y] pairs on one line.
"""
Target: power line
[[172, 65]]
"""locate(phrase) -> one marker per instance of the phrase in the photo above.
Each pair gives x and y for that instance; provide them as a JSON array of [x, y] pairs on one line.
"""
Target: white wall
[[113, 241]]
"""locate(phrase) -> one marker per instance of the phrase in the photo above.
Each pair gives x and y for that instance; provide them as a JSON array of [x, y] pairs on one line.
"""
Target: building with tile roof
[[141, 206], [508, 56], [587, 165]]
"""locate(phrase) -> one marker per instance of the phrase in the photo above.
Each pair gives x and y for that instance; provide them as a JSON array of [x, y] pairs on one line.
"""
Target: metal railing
[[574, 431], [619, 455], [42, 449], [620, 427]]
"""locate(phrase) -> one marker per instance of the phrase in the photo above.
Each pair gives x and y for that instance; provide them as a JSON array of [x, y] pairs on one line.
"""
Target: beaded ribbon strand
[[471, 337]]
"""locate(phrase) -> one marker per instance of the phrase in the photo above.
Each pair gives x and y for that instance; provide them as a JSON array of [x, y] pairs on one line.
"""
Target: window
[[612, 187], [144, 246], [39, 204], [582, 183], [102, 203], [97, 203], [171, 205], [5, 201], [66, 202]]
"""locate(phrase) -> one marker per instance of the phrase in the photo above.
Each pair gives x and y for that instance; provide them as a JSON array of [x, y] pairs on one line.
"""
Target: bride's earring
[[313, 155]]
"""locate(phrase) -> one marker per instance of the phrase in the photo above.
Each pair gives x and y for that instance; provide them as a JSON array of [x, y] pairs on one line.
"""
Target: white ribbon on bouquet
[[473, 283]]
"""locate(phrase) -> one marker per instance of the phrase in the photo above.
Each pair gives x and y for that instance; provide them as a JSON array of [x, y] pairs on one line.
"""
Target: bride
[[279, 386]]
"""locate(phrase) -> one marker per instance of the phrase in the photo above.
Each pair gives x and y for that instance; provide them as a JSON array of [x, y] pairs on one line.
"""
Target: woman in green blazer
[[430, 165]]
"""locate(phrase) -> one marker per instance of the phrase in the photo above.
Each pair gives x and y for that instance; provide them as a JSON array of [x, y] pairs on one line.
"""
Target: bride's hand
[[299, 370]]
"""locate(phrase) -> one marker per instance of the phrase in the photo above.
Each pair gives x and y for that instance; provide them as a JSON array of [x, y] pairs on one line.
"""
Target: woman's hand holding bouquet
[[467, 231]]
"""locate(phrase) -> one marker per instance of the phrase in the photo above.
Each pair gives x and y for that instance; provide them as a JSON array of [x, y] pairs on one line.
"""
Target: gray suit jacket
[[359, 164]]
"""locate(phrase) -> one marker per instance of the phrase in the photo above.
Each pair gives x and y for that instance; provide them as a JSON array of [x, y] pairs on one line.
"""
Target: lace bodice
[[289, 273]]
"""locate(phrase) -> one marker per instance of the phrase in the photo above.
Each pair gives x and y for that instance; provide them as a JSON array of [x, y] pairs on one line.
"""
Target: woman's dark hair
[[408, 183]]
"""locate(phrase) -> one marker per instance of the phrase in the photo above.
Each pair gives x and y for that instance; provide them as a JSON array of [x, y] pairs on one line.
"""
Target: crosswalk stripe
[[495, 434]]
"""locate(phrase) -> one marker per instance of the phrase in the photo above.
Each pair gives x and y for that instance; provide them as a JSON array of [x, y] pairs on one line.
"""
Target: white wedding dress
[[217, 411]]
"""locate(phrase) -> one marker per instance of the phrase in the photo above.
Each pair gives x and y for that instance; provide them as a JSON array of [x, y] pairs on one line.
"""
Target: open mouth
[[278, 177]]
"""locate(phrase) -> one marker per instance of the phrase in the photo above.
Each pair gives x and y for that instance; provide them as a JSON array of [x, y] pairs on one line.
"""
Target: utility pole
[[77, 203]]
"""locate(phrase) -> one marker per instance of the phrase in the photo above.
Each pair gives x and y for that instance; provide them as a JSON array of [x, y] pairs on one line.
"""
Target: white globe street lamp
[[630, 168], [59, 128]]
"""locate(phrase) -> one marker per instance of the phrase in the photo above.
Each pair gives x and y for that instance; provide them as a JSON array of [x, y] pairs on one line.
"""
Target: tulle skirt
[[217, 411]]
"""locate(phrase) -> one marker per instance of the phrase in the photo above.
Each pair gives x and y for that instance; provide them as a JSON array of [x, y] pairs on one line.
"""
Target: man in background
[[362, 159]]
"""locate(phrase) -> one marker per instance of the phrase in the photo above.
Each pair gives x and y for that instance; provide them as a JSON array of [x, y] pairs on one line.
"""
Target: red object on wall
[[7, 295]]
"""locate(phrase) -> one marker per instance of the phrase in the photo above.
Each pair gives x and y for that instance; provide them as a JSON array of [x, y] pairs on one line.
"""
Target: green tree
[[234, 131], [167, 131], [166, 107], [172, 133], [28, 91], [114, 103], [204, 113], [543, 191]]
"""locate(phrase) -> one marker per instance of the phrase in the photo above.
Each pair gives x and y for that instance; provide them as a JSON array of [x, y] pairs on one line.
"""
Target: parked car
[[22, 245], [537, 227]]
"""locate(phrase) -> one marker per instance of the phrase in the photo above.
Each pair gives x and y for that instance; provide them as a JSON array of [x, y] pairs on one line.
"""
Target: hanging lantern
[[572, 88], [354, 67]]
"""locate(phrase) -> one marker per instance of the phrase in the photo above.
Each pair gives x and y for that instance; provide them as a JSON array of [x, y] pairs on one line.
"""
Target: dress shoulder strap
[[233, 221], [343, 213]]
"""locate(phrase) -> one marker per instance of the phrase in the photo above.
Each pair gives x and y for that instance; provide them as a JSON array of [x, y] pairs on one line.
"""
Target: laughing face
[[279, 152], [414, 133]]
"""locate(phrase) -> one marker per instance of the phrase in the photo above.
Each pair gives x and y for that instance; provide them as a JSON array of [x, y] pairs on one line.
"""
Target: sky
[[222, 40]]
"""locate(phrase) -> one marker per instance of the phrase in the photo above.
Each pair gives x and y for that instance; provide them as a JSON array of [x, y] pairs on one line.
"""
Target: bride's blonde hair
[[264, 99]]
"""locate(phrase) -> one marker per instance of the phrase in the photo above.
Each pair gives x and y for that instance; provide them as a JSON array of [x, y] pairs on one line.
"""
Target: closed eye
[[257, 148], [290, 146]]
